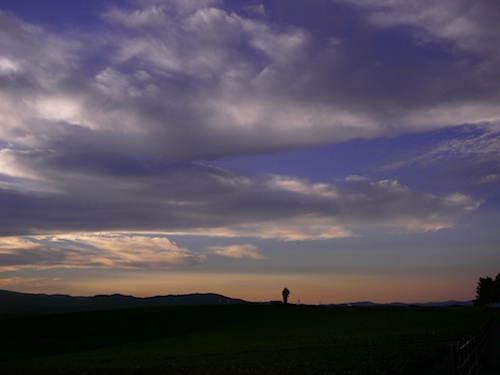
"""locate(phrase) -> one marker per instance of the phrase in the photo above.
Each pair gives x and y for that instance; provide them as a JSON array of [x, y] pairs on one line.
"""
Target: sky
[[348, 150]]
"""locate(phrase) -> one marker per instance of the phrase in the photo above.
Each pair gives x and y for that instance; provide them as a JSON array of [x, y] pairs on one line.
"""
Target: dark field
[[247, 339]]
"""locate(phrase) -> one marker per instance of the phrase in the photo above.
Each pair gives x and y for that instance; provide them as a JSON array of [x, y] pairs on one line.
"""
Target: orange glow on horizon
[[304, 288]]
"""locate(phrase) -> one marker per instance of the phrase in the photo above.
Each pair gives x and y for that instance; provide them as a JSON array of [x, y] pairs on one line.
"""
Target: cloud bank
[[212, 79], [114, 127], [94, 250]]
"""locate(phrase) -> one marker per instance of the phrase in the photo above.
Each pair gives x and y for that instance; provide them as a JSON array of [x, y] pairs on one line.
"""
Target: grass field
[[246, 339]]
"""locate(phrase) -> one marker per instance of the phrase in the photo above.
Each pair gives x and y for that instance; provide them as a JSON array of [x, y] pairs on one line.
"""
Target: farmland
[[246, 339]]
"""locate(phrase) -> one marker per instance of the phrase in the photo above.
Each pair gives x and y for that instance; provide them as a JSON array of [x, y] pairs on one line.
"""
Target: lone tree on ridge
[[285, 294]]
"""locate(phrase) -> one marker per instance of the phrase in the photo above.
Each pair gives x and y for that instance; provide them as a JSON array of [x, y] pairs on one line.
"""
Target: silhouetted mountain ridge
[[402, 304], [26, 303]]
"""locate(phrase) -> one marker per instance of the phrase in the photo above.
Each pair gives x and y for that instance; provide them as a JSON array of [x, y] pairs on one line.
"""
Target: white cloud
[[57, 108], [94, 250], [471, 25], [473, 112], [470, 150], [293, 229], [462, 201], [304, 187], [472, 144], [151, 15], [13, 164], [489, 179], [9, 67], [356, 178], [237, 251]]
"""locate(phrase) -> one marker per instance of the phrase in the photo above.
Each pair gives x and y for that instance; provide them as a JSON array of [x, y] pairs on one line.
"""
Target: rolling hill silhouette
[[26, 303]]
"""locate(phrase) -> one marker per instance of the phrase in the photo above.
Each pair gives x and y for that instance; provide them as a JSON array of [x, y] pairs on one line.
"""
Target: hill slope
[[25, 303]]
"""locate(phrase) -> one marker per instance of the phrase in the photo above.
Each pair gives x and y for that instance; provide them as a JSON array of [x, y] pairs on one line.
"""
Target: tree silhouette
[[496, 288], [285, 294], [487, 291]]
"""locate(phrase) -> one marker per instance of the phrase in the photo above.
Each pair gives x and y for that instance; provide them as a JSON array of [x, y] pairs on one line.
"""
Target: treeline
[[487, 291]]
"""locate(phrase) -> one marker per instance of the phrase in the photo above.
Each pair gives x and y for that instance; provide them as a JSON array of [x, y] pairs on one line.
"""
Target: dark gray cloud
[[200, 199]]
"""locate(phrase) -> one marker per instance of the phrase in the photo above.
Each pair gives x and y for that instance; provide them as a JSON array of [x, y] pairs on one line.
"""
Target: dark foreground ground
[[492, 362], [243, 339]]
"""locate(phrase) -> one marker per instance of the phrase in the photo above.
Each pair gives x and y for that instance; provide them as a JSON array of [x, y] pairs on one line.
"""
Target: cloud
[[473, 142], [237, 251], [28, 282], [153, 15], [470, 25], [194, 198], [8, 67], [210, 79], [465, 156], [114, 128], [306, 227], [94, 250]]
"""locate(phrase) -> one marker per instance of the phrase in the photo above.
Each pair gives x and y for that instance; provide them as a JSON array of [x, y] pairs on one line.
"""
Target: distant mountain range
[[401, 304], [25, 303]]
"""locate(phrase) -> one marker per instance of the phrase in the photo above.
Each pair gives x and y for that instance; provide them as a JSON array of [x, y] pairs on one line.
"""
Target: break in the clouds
[[117, 126]]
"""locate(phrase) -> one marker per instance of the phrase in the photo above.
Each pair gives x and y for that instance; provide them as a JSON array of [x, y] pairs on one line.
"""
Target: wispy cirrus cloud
[[470, 25], [28, 282], [466, 156]]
